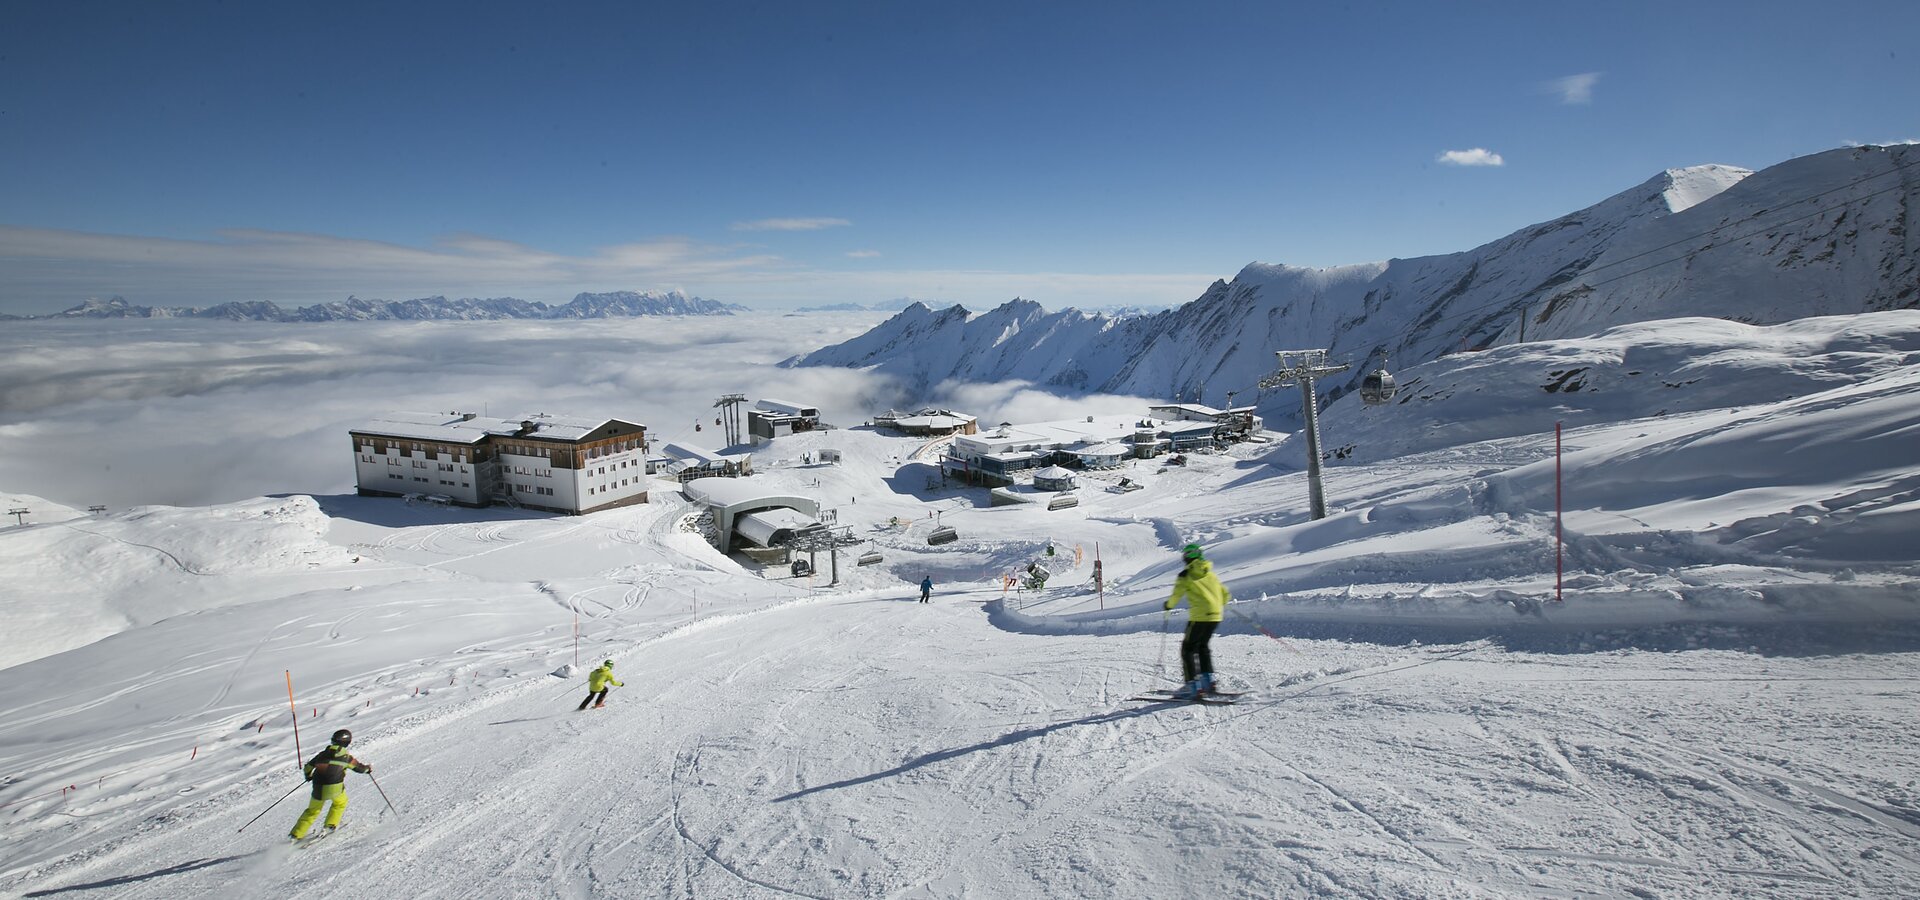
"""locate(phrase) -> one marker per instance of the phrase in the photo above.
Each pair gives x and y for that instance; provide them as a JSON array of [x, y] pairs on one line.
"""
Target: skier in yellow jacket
[[328, 772], [597, 682], [1206, 600]]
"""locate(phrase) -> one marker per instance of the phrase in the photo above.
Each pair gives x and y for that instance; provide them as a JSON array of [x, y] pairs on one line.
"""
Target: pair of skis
[[1211, 698]]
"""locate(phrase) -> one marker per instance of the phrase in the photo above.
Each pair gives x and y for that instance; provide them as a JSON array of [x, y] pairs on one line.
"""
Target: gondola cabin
[[1377, 387]]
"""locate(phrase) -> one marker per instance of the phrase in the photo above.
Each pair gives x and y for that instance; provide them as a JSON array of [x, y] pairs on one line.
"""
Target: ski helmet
[[342, 738], [608, 664], [1190, 552]]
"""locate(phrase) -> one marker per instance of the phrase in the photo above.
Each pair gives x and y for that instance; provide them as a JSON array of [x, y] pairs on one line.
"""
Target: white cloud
[[1478, 156], [863, 254], [228, 412], [814, 224], [1573, 89]]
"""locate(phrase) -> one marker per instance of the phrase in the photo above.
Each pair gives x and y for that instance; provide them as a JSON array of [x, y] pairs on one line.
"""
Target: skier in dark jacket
[[328, 772], [926, 588]]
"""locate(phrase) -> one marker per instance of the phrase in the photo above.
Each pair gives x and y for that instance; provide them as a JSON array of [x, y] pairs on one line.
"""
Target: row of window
[[610, 449], [623, 483], [522, 488], [366, 450], [399, 477]]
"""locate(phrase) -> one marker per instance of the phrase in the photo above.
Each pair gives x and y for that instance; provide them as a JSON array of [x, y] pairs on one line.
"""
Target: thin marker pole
[[299, 756], [1559, 534]]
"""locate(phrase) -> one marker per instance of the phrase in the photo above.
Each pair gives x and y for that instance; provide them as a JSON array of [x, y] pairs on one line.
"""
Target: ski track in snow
[[721, 773]]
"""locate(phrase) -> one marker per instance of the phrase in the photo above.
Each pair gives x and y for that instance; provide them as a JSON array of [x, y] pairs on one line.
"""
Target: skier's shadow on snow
[[130, 879], [1010, 738]]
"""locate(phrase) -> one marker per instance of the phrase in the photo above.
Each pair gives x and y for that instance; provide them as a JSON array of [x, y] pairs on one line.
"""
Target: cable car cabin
[[1377, 388], [942, 535]]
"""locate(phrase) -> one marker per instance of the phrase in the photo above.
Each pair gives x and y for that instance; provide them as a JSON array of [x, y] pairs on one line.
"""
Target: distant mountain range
[[1824, 234], [884, 306], [617, 304], [1114, 311]]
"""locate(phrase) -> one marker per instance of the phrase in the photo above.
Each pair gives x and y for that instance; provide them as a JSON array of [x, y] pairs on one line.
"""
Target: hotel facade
[[561, 464]]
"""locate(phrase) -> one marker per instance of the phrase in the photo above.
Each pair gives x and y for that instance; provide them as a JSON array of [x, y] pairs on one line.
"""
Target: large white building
[[560, 463]]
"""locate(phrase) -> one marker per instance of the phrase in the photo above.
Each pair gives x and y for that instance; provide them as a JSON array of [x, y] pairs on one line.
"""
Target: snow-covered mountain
[[353, 309], [1822, 234]]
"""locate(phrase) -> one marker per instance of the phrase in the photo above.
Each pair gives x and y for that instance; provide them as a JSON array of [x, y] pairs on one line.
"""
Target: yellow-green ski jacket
[[598, 679], [1206, 597]]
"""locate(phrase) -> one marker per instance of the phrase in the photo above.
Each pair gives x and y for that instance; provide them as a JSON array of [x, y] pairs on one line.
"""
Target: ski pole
[[1262, 628], [383, 793], [270, 808], [1166, 620]]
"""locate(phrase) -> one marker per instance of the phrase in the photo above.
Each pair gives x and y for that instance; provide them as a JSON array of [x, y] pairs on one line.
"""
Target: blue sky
[[778, 154]]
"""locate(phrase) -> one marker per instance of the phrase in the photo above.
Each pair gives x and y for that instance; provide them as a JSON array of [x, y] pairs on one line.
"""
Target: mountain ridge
[[1816, 235], [585, 305]]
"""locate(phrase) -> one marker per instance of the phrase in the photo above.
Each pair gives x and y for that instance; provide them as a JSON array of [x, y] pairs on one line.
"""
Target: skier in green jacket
[[1207, 600], [597, 682], [328, 772]]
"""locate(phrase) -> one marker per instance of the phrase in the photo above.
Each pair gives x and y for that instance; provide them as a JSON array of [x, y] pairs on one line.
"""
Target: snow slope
[[1722, 706]]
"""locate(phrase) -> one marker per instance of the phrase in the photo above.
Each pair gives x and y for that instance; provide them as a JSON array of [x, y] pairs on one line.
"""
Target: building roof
[[934, 420], [690, 453], [452, 428], [1054, 473], [783, 407], [1062, 433], [1108, 449], [1195, 408], [737, 492], [565, 428], [467, 428], [1185, 427]]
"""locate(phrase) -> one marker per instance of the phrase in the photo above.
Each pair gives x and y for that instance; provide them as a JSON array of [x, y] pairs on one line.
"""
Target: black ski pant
[[924, 595], [599, 696], [1195, 656]]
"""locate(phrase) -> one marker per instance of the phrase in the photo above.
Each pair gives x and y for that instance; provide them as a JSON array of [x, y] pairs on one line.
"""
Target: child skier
[[926, 588], [328, 772], [1206, 600], [597, 682]]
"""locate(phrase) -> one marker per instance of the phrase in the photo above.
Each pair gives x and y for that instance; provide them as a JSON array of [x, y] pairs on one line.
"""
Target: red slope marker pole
[[1559, 534]]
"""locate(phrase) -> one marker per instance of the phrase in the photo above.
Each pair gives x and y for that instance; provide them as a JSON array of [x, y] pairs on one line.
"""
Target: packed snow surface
[[1722, 706]]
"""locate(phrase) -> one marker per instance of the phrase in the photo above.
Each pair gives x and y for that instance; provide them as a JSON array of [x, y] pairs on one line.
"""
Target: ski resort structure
[[561, 464]]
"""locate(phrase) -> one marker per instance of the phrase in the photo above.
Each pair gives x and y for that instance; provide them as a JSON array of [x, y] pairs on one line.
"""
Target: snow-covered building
[[564, 464], [749, 509], [769, 419], [686, 462], [993, 457], [1106, 455], [929, 422], [1235, 423], [1053, 478]]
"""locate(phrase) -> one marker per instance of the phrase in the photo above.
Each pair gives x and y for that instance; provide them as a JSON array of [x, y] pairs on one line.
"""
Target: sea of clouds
[[175, 412]]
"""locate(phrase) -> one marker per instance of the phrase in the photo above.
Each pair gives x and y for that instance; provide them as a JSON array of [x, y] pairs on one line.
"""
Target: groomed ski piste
[[1722, 706]]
